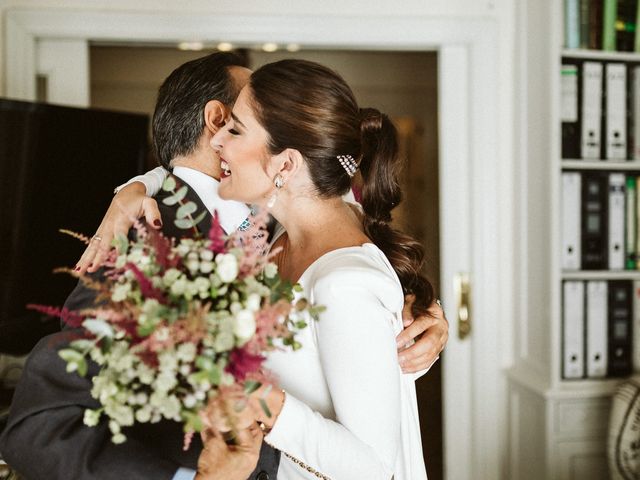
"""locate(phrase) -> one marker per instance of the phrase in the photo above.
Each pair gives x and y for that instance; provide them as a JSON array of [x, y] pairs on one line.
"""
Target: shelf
[[602, 55], [625, 165], [601, 275], [564, 389]]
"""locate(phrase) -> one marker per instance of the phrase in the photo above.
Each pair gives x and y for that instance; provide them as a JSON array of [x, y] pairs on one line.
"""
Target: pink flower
[[242, 363], [216, 235], [146, 287]]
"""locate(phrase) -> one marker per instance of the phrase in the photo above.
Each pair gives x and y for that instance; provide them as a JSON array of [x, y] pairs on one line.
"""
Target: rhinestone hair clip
[[349, 164]]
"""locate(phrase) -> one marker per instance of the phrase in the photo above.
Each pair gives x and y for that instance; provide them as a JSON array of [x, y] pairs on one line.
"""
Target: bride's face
[[244, 158]]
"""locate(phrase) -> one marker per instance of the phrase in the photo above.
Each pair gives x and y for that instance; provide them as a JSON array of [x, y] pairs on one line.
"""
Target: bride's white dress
[[349, 412]]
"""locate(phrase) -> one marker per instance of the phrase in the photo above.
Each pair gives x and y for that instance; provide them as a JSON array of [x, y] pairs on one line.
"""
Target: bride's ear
[[215, 114], [288, 163]]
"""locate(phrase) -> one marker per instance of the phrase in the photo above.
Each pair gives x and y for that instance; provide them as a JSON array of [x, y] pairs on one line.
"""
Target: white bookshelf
[[601, 275], [558, 427], [601, 55], [608, 165]]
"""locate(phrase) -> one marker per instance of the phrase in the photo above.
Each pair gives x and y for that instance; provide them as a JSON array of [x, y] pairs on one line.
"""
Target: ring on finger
[[96, 237]]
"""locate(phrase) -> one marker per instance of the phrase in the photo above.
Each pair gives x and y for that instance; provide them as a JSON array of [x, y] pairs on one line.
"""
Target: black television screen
[[58, 168]]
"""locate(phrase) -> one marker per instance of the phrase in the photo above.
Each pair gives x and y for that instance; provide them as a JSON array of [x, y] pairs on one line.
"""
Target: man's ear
[[288, 163], [215, 113]]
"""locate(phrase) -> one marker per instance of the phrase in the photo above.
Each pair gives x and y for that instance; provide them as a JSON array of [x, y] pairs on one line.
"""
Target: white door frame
[[472, 193]]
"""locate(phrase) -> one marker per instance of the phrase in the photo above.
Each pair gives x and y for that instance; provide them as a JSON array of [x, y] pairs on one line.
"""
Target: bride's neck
[[314, 227]]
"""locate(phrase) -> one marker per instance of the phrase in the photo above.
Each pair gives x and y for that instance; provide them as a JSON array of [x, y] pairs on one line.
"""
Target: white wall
[[358, 8]]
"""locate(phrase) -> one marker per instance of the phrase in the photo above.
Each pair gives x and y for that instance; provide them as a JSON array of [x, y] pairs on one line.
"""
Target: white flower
[[206, 267], [168, 360], [179, 286], [161, 334], [224, 342], [206, 255], [121, 261], [144, 414], [227, 267], [245, 324], [171, 276], [120, 292], [114, 426], [193, 265], [145, 374], [118, 438], [91, 417], [253, 302], [190, 401], [165, 381], [235, 308], [270, 270], [202, 284], [186, 352]]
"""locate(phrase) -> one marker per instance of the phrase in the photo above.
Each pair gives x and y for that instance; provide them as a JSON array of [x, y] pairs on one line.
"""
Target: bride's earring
[[278, 181]]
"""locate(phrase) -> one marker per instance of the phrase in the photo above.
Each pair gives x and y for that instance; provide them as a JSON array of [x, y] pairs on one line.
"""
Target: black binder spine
[[595, 200], [620, 327], [571, 130]]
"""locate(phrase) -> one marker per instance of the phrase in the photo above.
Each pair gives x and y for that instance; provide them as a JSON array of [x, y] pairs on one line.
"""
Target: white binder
[[573, 330], [616, 111], [617, 183], [591, 109], [597, 318], [635, 113], [571, 214]]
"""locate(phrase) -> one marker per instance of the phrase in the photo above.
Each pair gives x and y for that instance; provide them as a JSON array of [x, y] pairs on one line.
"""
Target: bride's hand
[[127, 205], [220, 461]]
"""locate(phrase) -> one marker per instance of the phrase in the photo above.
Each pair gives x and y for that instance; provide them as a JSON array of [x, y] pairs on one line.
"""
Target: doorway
[[403, 85]]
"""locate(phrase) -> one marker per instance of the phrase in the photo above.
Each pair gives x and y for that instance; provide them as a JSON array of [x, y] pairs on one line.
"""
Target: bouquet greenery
[[182, 323]]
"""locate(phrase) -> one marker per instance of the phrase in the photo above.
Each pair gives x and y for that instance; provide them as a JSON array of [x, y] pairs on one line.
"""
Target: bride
[[295, 139]]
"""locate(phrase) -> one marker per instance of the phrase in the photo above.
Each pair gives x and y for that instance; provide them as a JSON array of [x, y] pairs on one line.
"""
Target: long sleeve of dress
[[357, 352], [152, 181]]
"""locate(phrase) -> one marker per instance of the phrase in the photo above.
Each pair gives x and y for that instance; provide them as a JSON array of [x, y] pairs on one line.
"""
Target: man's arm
[[429, 332], [46, 438]]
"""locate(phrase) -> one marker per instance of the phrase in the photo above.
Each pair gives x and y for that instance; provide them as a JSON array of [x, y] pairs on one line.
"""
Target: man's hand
[[127, 205], [219, 461], [429, 332]]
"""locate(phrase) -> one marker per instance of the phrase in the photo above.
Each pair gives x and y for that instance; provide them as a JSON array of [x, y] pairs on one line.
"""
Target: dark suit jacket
[[45, 438]]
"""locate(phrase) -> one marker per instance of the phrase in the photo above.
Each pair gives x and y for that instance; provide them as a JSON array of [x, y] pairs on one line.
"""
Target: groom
[[45, 437]]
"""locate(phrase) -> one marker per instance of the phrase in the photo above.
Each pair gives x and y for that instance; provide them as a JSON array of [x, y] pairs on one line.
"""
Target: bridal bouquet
[[181, 324]]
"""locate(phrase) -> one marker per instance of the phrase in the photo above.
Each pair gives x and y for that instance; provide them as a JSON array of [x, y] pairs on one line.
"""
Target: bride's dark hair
[[310, 108]]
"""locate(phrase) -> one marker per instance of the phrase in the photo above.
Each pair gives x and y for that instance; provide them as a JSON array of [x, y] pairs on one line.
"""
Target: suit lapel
[[168, 212]]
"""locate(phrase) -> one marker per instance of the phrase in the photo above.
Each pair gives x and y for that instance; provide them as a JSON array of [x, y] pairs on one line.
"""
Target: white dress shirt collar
[[230, 212]]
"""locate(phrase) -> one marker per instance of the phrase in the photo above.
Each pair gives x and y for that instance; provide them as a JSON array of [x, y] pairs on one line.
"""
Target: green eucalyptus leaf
[[98, 327], [251, 386], [265, 408], [176, 197], [184, 223], [186, 210], [169, 184], [215, 375], [121, 242], [70, 355], [82, 367], [193, 422], [199, 217], [82, 344]]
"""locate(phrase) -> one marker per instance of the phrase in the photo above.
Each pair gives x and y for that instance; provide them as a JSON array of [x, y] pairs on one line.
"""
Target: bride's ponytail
[[379, 166], [310, 108]]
